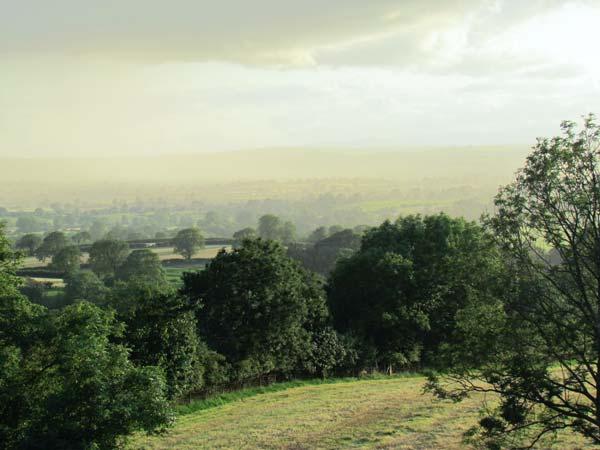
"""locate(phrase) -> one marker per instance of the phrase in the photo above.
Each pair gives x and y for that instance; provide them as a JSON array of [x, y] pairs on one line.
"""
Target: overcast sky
[[150, 77]]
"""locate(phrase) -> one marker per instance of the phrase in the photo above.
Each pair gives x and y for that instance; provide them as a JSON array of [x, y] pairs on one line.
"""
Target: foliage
[[188, 241], [63, 384], [243, 234], [401, 291], [321, 256], [271, 227], [258, 307], [82, 237], [106, 256], [67, 259], [29, 242], [543, 344], [51, 245], [84, 286], [9, 262], [142, 264], [160, 331]]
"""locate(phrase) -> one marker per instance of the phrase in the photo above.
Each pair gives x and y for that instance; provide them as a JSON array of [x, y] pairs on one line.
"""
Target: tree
[[161, 331], [288, 232], [323, 254], [29, 224], [29, 242], [269, 227], [542, 353], [258, 308], [142, 264], [98, 230], [51, 245], [106, 256], [9, 262], [84, 286], [188, 242], [401, 291], [67, 259], [243, 234], [318, 234], [63, 383], [82, 237]]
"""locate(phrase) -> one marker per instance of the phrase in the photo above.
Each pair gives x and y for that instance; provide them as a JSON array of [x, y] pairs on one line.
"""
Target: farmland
[[379, 413], [174, 266]]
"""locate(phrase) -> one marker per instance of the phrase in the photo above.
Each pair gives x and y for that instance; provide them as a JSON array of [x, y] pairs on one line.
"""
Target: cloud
[[254, 32]]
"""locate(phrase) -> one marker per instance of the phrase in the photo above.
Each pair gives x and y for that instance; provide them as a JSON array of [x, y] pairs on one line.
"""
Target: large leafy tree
[[322, 255], [271, 227], [187, 242], [160, 331], [63, 383], [29, 242], [51, 245], [9, 261], [142, 264], [67, 259], [258, 308], [542, 346], [401, 291], [84, 285], [106, 256]]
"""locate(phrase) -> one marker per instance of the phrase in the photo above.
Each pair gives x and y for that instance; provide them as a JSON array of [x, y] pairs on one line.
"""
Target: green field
[[378, 414]]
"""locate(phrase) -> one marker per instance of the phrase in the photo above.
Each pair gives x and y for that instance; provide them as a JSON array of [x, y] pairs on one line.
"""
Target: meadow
[[382, 413]]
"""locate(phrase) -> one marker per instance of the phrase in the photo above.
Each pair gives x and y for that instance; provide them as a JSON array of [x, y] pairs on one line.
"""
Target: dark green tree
[[258, 308], [84, 286], [63, 384], [142, 264], [161, 331], [318, 234], [323, 254], [51, 245], [401, 291], [67, 259], [82, 237], [29, 224], [542, 344], [106, 256], [269, 227], [243, 234], [29, 243], [188, 241]]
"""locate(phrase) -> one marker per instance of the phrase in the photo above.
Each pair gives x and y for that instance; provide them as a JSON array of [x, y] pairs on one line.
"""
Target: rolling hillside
[[384, 414]]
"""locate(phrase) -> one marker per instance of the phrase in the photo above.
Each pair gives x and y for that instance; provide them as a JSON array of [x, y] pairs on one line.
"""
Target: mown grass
[[372, 413], [229, 397]]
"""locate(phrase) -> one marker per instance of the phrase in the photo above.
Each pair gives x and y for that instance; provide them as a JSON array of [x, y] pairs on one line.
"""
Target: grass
[[372, 413], [169, 253]]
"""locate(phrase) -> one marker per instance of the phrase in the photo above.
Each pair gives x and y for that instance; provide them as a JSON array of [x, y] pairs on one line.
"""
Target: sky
[[146, 77]]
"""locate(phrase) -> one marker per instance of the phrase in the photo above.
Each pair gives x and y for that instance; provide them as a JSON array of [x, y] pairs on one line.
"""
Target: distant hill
[[257, 173]]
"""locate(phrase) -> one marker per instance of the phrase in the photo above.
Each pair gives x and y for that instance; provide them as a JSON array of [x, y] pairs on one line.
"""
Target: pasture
[[379, 413], [164, 253]]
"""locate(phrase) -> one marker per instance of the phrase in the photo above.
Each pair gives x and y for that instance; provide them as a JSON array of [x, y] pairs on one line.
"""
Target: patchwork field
[[382, 414], [164, 253]]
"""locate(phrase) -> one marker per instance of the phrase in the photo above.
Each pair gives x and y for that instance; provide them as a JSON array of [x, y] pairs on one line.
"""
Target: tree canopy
[[188, 241], [106, 256], [51, 245], [542, 345], [257, 307], [401, 291]]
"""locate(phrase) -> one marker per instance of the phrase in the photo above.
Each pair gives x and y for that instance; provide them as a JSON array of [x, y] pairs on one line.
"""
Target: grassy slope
[[383, 413]]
